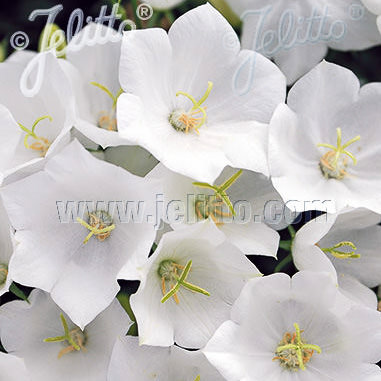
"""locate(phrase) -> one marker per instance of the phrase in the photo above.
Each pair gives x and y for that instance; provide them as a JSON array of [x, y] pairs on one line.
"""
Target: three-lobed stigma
[[334, 163], [40, 143], [107, 119], [293, 353], [348, 250], [100, 224], [194, 118], [168, 271]]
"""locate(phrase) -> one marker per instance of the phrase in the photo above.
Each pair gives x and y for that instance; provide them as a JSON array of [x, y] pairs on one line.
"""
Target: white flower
[[374, 6], [12, 368], [77, 226], [297, 34], [345, 245], [94, 75], [32, 127], [172, 363], [163, 4], [52, 347], [250, 196], [325, 146], [195, 101], [301, 329], [188, 286]]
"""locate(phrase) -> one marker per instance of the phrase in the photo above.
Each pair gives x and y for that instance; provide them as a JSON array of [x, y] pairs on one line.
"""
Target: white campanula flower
[[53, 348], [240, 203], [94, 55], [194, 99], [146, 363], [297, 34], [188, 286], [86, 223], [374, 6], [297, 329], [324, 146], [345, 245], [32, 127], [163, 4], [12, 368]]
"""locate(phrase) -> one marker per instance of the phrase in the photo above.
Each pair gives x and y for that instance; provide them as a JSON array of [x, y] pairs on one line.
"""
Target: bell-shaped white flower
[[86, 223], [374, 6], [324, 147], [172, 363], [6, 250], [188, 286], [298, 329], [297, 34], [163, 4], [240, 203], [195, 100], [53, 348], [33, 127], [94, 75], [12, 368], [345, 245]]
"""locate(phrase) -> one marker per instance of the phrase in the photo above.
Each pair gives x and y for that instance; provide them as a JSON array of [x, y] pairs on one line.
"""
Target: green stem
[[283, 263], [292, 231], [285, 245]]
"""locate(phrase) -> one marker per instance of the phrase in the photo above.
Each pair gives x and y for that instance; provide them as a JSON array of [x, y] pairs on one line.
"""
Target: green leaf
[[18, 292]]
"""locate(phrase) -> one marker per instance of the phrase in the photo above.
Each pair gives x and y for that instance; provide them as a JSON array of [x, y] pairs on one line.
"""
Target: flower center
[[40, 143], [3, 273], [348, 252], [334, 163], [73, 340], [100, 225], [168, 272], [194, 118], [212, 206], [293, 353], [107, 119]]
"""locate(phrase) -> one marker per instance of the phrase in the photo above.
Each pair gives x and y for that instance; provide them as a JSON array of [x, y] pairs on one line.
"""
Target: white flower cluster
[[79, 152]]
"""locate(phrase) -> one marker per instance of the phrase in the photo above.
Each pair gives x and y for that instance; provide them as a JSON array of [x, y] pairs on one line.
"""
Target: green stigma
[[343, 254], [100, 225], [168, 272], [107, 120], [186, 121], [40, 144], [74, 339], [292, 353], [212, 207], [334, 163], [3, 273]]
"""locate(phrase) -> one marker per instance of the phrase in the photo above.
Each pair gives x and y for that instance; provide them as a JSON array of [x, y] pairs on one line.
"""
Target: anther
[[100, 225]]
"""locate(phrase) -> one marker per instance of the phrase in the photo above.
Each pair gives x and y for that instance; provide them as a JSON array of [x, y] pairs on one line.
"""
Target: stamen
[[293, 353], [212, 208], [332, 164], [107, 120], [75, 339], [342, 254], [186, 121], [3, 273], [41, 144], [100, 225], [168, 272]]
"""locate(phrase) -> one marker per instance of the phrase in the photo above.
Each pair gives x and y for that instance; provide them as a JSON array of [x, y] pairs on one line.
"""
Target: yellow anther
[[332, 163], [75, 339], [343, 254], [100, 225], [3, 273], [293, 353], [193, 119], [40, 144], [168, 271]]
